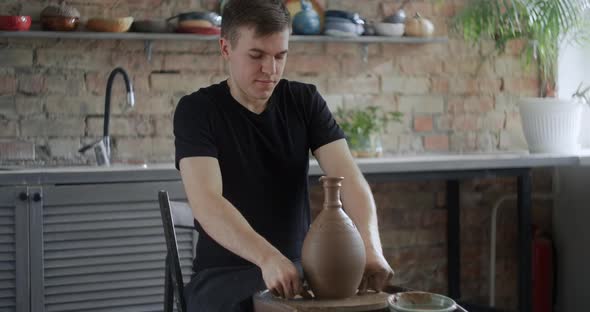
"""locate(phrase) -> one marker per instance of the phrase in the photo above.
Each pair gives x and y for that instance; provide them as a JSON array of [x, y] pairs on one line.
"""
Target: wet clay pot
[[333, 255]]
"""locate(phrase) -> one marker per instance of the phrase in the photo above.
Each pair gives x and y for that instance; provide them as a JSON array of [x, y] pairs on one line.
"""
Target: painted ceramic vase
[[306, 21], [333, 255]]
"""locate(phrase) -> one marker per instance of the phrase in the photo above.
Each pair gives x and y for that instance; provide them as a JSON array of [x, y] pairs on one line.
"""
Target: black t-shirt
[[263, 158]]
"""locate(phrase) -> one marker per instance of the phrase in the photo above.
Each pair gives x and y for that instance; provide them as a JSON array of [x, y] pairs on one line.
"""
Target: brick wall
[[52, 91], [52, 95]]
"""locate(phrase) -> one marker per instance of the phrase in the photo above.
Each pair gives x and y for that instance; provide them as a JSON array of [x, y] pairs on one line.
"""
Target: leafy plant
[[360, 123], [544, 24]]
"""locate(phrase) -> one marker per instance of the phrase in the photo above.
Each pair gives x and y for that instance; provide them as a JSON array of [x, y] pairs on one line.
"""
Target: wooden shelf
[[370, 39], [149, 38], [175, 36]]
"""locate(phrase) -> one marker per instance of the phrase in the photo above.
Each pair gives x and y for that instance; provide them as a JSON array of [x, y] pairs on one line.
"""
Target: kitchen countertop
[[472, 161], [388, 164]]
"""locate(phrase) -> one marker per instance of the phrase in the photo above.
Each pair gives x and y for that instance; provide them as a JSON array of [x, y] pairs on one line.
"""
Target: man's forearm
[[226, 225], [358, 203]]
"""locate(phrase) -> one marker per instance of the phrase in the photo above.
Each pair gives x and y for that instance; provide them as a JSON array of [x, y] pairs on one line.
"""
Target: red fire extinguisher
[[542, 291]]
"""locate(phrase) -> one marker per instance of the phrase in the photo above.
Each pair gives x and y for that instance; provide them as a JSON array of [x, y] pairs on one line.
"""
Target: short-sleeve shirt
[[263, 159]]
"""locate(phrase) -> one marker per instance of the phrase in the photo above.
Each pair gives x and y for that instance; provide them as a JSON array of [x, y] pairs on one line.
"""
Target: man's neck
[[253, 105]]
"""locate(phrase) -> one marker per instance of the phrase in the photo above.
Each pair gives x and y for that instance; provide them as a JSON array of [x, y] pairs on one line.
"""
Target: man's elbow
[[202, 205]]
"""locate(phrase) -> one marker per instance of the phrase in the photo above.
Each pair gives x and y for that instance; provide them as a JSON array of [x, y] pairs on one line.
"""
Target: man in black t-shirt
[[242, 148]]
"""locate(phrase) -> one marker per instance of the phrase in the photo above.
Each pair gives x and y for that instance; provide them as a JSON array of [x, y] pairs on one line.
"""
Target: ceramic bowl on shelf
[[195, 23], [389, 29], [351, 16], [204, 18], [199, 30], [60, 17], [338, 29], [15, 22], [419, 301], [334, 19], [151, 26], [59, 23], [100, 24]]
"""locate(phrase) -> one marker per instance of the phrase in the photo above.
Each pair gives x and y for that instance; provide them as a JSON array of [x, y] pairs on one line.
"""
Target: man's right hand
[[281, 276], [201, 177]]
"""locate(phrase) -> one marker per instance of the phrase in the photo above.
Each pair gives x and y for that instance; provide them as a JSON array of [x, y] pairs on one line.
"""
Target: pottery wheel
[[265, 302]]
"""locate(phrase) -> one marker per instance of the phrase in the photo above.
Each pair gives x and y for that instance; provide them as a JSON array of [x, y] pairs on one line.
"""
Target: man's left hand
[[377, 274]]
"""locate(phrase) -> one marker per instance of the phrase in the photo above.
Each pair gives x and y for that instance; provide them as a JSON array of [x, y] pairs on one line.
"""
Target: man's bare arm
[[357, 199], [202, 181]]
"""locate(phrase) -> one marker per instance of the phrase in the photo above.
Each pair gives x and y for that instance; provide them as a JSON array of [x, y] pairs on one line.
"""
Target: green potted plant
[[363, 127], [544, 25]]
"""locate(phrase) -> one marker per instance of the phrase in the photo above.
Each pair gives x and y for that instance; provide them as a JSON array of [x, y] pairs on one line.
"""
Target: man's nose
[[269, 66]]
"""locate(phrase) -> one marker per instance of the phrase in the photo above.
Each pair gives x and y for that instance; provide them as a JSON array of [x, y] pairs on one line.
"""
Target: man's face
[[256, 63]]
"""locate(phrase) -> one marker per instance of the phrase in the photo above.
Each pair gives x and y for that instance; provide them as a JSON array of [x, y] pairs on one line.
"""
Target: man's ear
[[224, 46]]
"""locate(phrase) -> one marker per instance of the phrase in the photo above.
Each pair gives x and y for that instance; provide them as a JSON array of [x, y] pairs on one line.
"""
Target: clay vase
[[333, 255], [306, 21]]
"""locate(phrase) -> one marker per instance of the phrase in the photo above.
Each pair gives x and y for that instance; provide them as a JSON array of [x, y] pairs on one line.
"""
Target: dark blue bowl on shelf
[[351, 16]]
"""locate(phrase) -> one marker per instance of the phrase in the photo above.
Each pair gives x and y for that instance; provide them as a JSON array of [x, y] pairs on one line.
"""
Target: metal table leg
[[453, 239], [524, 242]]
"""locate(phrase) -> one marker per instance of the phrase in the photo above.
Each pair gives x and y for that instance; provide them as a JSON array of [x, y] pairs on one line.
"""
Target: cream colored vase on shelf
[[551, 125]]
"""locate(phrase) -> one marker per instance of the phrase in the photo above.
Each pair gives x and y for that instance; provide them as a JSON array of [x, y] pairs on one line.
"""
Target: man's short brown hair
[[266, 16]]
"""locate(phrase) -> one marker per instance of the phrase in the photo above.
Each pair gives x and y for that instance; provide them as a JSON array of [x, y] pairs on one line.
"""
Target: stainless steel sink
[[11, 168], [89, 168]]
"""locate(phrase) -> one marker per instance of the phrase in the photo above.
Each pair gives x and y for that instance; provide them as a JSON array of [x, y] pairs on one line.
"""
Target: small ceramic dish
[[59, 23], [334, 19], [213, 18], [151, 26], [418, 301], [339, 29], [15, 22], [389, 30], [100, 24], [352, 16], [195, 23], [199, 30], [339, 33]]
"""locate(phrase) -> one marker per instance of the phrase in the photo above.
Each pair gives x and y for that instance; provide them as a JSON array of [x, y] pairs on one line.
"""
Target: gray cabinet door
[[14, 249], [101, 248]]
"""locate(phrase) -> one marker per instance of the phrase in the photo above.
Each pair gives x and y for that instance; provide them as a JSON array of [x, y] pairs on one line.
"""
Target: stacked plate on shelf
[[343, 24], [201, 23]]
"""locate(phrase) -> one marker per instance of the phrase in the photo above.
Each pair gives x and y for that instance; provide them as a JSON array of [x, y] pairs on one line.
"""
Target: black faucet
[[102, 147], [107, 104]]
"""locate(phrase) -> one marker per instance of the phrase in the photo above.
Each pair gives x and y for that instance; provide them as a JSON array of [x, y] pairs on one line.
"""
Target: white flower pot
[[585, 126], [551, 125]]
